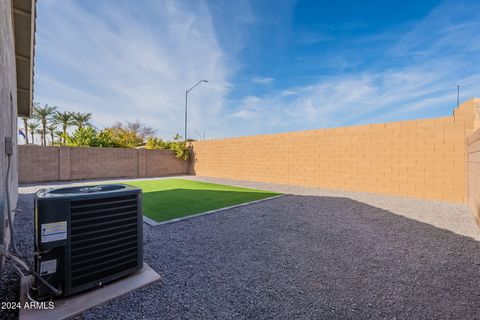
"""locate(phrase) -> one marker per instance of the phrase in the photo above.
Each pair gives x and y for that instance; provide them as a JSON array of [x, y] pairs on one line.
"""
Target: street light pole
[[458, 95], [186, 104], [186, 107]]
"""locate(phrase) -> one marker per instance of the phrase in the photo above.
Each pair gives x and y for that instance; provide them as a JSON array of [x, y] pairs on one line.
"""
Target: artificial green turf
[[166, 199]]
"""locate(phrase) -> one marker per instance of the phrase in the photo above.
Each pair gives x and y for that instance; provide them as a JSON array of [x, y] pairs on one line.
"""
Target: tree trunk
[[25, 124], [44, 133], [33, 140], [64, 134]]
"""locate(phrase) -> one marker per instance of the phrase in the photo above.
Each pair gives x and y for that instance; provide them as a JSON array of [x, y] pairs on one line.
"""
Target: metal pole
[[458, 95], [186, 101], [186, 95]]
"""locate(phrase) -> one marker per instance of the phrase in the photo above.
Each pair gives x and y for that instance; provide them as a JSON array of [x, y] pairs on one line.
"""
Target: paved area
[[314, 254]]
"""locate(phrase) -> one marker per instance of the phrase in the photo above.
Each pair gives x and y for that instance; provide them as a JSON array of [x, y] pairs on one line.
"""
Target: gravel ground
[[309, 255]]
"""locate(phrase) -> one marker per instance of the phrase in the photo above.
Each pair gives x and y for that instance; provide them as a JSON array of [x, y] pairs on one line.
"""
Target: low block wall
[[42, 163], [420, 158], [474, 175]]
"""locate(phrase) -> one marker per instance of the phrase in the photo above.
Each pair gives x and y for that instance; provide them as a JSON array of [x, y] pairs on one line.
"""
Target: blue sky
[[272, 66]]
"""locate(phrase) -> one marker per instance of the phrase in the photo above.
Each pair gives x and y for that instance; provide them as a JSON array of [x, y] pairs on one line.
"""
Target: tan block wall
[[419, 158], [38, 163], [161, 162], [88, 163], [474, 174]]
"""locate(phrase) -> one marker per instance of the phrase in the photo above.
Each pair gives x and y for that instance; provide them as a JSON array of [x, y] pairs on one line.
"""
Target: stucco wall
[[43, 163], [419, 158], [474, 175], [8, 109]]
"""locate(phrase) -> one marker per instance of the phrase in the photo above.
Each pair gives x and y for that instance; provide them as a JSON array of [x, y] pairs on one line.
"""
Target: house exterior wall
[[45, 163], [419, 158], [8, 113]]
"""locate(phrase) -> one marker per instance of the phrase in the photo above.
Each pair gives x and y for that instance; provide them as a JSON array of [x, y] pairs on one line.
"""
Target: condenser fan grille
[[104, 237]]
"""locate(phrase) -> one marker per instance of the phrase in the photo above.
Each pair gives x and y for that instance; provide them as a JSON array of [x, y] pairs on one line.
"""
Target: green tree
[[60, 135], [64, 119], [81, 119], [124, 138], [33, 126], [177, 145], [156, 143], [43, 115], [39, 132], [130, 134], [89, 137], [51, 129]]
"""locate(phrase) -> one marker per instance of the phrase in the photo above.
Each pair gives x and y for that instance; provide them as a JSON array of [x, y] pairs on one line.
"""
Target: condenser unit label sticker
[[48, 267], [54, 231]]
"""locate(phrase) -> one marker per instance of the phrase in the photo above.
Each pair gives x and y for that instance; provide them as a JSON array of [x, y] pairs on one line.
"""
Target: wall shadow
[[318, 257], [295, 257], [191, 161]]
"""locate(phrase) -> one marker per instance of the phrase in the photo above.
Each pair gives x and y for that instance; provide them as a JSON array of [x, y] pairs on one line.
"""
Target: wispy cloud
[[119, 65], [423, 85], [306, 38], [347, 100], [262, 80], [122, 64]]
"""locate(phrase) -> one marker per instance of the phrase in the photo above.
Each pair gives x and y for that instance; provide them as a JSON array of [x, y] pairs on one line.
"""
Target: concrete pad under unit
[[67, 307]]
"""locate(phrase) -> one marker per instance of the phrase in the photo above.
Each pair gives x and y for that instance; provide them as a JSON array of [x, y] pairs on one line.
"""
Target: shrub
[[89, 137], [176, 145]]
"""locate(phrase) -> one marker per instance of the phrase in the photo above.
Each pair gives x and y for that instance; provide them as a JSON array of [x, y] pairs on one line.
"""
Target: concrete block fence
[[473, 166], [423, 158], [45, 163], [437, 159]]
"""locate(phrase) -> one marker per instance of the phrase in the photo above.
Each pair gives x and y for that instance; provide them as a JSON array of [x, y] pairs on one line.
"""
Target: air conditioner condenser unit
[[87, 236]]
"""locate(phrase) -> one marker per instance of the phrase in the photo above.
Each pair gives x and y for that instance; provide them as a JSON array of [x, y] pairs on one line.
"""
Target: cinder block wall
[[419, 158], [44, 163], [474, 174]]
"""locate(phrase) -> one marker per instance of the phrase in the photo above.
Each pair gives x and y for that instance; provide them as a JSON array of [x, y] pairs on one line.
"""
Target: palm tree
[[59, 134], [40, 132], [81, 119], [25, 126], [51, 129], [43, 115], [65, 120], [33, 126]]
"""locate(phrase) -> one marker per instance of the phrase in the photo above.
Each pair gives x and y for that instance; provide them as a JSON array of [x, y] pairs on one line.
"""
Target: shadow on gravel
[[295, 257]]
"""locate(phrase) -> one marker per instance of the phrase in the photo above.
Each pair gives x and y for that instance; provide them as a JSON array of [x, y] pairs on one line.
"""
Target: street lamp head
[[196, 85], [186, 101]]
